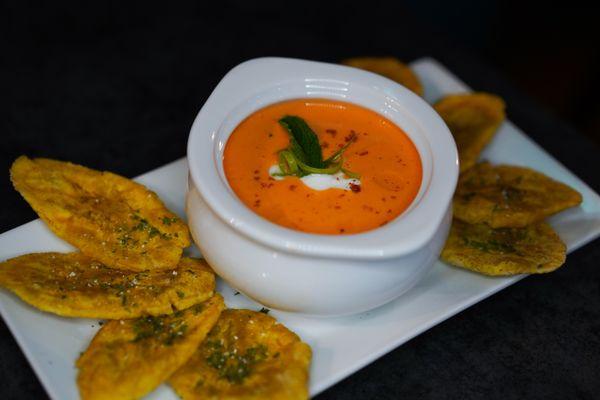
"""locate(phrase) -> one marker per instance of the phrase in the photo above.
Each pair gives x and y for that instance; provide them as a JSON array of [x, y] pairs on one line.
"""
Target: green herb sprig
[[304, 156]]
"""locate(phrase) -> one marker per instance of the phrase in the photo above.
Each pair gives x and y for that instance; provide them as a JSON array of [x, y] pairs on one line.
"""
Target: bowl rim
[[259, 82]]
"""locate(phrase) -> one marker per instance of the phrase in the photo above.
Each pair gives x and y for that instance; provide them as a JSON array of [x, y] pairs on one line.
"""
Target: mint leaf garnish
[[304, 142]]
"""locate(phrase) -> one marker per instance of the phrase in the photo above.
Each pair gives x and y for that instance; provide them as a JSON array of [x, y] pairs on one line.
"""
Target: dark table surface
[[117, 89]]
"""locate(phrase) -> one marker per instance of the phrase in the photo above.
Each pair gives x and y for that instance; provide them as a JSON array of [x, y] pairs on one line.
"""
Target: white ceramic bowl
[[309, 273]]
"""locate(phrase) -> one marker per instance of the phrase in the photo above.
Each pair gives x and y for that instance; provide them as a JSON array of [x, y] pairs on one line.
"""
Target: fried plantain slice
[[505, 251], [473, 119], [247, 355], [509, 196], [129, 358], [74, 285], [110, 218], [389, 67]]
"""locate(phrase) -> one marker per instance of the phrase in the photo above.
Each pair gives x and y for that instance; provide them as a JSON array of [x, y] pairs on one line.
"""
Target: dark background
[[116, 86]]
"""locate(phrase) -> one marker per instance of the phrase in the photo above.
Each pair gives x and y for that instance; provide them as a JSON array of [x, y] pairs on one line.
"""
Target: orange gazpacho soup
[[383, 160]]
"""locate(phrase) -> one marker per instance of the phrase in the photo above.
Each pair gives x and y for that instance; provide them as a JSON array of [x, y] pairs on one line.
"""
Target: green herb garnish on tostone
[[304, 156], [233, 365]]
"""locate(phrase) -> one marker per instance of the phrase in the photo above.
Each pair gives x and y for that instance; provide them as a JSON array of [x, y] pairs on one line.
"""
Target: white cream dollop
[[320, 181]]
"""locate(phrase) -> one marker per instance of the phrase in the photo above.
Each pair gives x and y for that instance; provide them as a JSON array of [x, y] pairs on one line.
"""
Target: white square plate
[[341, 345]]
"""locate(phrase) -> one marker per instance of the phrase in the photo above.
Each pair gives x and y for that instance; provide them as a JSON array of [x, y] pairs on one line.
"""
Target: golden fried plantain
[[74, 285], [110, 218], [129, 358], [509, 196], [473, 119], [389, 67], [504, 251], [247, 355]]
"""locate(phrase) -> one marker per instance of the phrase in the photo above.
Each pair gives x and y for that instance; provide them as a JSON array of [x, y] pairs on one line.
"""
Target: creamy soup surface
[[386, 160]]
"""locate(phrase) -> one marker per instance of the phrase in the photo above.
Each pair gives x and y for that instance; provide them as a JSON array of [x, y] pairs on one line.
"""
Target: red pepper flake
[[383, 199], [293, 187], [337, 207], [256, 171], [355, 188], [351, 137], [332, 132], [325, 145], [363, 153], [257, 203], [342, 195], [389, 211], [257, 178], [342, 230]]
